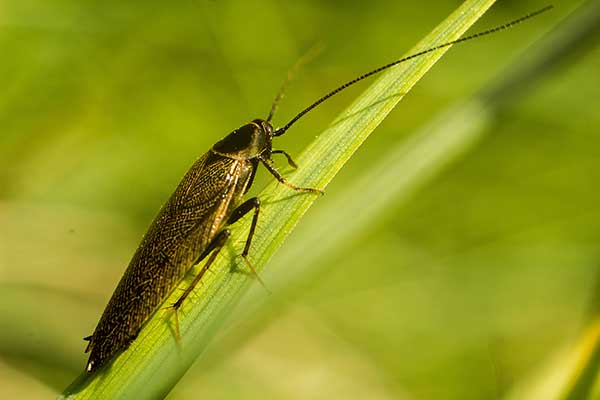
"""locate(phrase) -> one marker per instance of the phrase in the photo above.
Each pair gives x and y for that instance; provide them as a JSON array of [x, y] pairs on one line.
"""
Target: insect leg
[[284, 181], [289, 158], [243, 209], [213, 249]]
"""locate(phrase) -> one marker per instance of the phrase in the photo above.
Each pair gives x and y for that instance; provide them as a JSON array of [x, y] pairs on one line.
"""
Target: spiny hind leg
[[213, 249]]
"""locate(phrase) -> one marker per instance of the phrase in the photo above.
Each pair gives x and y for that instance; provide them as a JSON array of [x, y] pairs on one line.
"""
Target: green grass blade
[[154, 363], [571, 373], [585, 374]]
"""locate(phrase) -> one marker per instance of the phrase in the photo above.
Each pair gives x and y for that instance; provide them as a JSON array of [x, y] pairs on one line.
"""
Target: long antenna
[[507, 25], [306, 58]]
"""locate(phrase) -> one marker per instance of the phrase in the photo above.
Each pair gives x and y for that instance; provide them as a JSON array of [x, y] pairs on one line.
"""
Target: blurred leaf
[[37, 342], [586, 372], [572, 373]]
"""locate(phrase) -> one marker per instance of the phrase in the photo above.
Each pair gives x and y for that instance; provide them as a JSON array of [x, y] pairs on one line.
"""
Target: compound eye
[[266, 126]]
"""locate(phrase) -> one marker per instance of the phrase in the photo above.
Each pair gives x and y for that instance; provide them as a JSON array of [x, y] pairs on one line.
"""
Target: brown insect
[[192, 225]]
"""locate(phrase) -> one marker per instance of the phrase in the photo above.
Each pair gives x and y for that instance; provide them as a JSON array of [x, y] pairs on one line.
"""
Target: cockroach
[[193, 224]]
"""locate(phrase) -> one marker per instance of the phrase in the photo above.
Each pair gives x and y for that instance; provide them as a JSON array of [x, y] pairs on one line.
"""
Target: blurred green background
[[471, 288]]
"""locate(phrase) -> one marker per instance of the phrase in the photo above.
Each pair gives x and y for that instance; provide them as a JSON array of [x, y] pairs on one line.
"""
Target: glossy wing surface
[[181, 231]]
